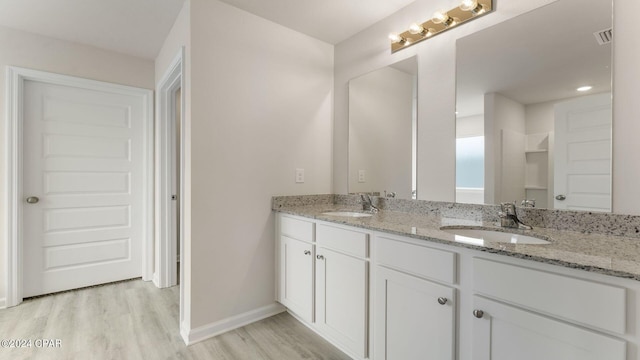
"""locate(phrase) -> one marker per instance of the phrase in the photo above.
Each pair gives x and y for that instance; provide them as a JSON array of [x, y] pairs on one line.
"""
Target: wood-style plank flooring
[[136, 320]]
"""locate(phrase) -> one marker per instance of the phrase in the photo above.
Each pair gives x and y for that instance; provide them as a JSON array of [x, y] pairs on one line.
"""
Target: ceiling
[[139, 27], [539, 56], [331, 21], [135, 27]]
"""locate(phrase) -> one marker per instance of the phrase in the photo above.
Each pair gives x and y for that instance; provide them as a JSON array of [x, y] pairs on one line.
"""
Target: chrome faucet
[[367, 205], [528, 203], [509, 217]]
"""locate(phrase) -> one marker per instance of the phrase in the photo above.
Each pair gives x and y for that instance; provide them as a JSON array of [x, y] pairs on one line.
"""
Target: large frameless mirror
[[534, 109]]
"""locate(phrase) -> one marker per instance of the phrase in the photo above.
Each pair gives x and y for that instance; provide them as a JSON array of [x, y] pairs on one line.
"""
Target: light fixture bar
[[443, 22]]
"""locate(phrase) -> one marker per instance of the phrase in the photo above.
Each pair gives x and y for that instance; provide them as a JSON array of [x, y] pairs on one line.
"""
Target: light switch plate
[[299, 175], [361, 176]]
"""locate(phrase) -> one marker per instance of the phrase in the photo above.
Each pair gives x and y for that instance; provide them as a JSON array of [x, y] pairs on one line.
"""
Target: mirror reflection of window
[[470, 170], [470, 152]]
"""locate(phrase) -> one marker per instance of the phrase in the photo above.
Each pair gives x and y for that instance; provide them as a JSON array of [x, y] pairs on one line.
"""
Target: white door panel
[[83, 157], [582, 165]]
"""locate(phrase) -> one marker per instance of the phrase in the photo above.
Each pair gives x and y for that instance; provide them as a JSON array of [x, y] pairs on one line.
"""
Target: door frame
[[14, 154], [166, 249]]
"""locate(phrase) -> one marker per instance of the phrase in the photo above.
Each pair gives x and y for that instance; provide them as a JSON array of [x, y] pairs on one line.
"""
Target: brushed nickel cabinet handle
[[478, 313], [307, 252], [442, 300]]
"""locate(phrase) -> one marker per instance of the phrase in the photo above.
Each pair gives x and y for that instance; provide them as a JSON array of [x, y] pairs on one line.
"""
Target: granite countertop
[[606, 254]]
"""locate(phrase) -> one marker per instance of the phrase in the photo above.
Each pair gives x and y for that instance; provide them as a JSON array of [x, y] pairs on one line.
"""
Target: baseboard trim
[[184, 333], [156, 280], [3, 303], [210, 330]]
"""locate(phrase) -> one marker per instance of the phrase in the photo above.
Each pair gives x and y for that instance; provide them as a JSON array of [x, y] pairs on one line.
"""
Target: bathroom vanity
[[395, 285]]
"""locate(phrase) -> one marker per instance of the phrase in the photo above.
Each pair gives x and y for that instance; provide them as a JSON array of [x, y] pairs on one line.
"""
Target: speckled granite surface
[[603, 243]]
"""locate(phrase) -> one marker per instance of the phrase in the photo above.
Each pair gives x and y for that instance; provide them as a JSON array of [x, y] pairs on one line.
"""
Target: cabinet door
[[341, 299], [413, 318], [503, 332], [296, 277]]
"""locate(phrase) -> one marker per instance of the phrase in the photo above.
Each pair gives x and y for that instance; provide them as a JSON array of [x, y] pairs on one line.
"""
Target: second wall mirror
[[382, 131]]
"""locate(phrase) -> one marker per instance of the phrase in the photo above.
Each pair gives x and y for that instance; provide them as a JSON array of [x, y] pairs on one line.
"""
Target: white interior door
[[83, 160], [582, 159]]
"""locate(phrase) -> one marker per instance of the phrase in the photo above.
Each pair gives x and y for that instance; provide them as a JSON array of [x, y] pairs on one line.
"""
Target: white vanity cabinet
[[389, 297], [342, 286], [527, 314], [414, 316], [324, 280], [296, 251]]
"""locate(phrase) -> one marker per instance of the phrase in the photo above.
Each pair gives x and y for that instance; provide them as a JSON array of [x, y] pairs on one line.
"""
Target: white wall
[[369, 50], [261, 106], [539, 118], [22, 49], [470, 126], [626, 108], [380, 114]]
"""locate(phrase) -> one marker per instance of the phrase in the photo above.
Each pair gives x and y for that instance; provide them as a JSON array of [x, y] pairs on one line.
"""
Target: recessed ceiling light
[[584, 88]]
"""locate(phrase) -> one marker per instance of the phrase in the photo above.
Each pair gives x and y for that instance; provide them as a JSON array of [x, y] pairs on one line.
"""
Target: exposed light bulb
[[473, 6], [440, 17], [416, 29], [584, 88], [468, 5], [397, 39]]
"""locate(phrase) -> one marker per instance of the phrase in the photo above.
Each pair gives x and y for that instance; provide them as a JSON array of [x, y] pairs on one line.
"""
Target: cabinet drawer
[[347, 241], [594, 304], [296, 228], [417, 260]]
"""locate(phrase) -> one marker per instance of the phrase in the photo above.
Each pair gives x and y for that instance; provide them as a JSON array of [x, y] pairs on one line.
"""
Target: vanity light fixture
[[440, 21], [584, 88]]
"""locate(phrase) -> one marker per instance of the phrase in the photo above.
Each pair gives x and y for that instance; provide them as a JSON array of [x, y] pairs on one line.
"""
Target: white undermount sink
[[479, 236], [353, 214]]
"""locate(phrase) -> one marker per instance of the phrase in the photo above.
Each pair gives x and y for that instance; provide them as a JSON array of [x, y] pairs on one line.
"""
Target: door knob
[[560, 197], [32, 200]]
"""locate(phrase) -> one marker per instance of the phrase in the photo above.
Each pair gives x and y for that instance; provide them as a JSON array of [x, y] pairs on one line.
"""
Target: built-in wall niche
[[539, 167], [521, 77]]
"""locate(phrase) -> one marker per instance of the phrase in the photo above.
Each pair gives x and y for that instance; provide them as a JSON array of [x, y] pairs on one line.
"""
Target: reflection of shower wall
[[504, 149], [380, 122]]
